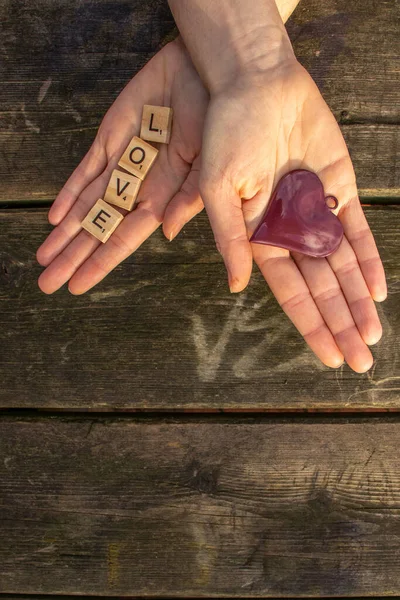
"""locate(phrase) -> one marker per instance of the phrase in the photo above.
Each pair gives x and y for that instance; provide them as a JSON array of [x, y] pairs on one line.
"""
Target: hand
[[256, 131], [69, 252]]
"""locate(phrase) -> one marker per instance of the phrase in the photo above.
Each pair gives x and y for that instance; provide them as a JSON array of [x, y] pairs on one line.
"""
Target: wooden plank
[[351, 50], [200, 508], [365, 144], [65, 63], [163, 332], [73, 597], [68, 597]]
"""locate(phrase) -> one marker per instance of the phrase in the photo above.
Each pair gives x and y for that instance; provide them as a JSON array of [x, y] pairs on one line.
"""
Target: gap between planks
[[198, 417], [379, 197]]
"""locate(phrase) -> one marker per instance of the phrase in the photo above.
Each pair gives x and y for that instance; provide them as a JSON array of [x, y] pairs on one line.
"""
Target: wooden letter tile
[[138, 157], [102, 220], [122, 189], [156, 123]]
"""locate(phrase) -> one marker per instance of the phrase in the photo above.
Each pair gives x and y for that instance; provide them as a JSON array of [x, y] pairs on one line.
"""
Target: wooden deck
[[119, 474]]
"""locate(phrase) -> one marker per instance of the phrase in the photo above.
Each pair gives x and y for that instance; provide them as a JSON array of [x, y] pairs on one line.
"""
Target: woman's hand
[[256, 130], [69, 252]]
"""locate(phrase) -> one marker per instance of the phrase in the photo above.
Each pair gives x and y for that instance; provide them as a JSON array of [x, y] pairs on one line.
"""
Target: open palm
[[69, 252], [257, 130]]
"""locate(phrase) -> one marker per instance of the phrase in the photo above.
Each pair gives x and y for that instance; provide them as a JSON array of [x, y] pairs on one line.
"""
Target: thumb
[[224, 210]]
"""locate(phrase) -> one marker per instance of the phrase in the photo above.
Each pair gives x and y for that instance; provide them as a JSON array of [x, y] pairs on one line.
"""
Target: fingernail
[[380, 295], [231, 280], [174, 232], [52, 218], [233, 283]]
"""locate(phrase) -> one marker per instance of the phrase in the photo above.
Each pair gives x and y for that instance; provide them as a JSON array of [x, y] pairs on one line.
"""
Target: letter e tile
[[102, 220]]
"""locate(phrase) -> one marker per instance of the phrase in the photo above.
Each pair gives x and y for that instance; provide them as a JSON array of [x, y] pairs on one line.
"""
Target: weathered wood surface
[[70, 597], [263, 508], [63, 64], [351, 50], [63, 597], [162, 331]]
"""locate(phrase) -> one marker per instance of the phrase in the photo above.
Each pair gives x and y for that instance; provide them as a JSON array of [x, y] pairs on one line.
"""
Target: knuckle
[[295, 301]]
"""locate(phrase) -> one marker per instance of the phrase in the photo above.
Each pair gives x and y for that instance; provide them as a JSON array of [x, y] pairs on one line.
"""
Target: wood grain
[[252, 508], [64, 64], [63, 597], [163, 332], [351, 50]]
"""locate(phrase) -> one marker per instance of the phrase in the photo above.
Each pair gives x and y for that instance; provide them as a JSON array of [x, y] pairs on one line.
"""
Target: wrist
[[250, 57], [232, 38]]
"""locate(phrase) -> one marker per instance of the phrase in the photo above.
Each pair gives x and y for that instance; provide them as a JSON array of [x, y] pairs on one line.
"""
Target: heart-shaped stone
[[298, 217]]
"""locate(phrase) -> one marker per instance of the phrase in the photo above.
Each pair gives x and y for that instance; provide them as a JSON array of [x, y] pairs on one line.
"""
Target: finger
[[352, 282], [129, 235], [70, 227], [359, 235], [185, 205], [136, 227], [224, 210], [67, 263], [338, 179], [85, 261], [290, 290], [88, 169], [328, 296]]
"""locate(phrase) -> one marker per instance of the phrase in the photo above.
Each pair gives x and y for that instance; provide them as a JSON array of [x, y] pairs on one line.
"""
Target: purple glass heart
[[298, 217]]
